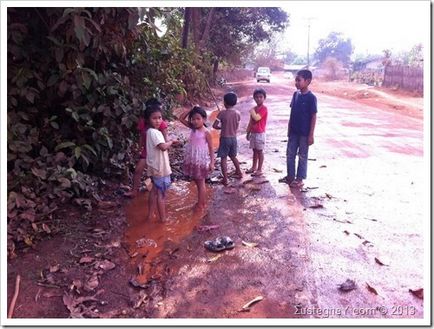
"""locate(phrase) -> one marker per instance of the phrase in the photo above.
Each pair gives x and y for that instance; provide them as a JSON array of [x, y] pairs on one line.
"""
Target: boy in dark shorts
[[228, 121]]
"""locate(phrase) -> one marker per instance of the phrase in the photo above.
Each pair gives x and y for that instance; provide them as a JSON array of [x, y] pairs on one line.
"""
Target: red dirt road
[[366, 171]]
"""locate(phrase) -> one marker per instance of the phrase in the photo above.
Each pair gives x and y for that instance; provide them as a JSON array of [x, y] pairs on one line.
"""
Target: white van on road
[[263, 73]]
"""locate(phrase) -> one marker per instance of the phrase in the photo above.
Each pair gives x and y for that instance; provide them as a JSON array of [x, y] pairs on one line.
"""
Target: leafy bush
[[77, 80]]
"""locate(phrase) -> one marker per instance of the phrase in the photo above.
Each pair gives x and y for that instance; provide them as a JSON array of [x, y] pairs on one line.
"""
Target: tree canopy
[[334, 45]]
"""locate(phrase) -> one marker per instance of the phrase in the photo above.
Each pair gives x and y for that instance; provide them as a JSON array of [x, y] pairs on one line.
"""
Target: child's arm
[[217, 123], [249, 127], [183, 120], [254, 115], [312, 128], [164, 132], [210, 150], [167, 145]]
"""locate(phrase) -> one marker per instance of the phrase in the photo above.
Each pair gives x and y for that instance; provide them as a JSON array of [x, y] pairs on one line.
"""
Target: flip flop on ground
[[297, 183], [219, 244]]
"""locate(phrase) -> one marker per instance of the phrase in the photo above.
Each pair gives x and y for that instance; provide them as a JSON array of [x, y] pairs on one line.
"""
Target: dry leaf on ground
[[418, 293], [249, 244], [371, 289], [380, 262], [247, 306], [106, 265], [86, 259], [213, 259]]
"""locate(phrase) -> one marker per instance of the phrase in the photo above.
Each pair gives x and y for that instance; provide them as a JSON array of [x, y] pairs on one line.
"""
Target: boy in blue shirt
[[301, 128]]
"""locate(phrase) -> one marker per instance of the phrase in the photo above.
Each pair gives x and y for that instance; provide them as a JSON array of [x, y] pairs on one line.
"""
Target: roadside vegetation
[[77, 80]]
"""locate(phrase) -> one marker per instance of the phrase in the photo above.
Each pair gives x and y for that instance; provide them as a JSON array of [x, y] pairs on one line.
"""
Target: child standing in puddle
[[157, 161], [228, 121], [199, 155], [142, 127]]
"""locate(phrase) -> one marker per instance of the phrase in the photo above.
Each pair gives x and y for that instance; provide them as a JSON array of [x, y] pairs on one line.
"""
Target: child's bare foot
[[238, 175], [225, 181]]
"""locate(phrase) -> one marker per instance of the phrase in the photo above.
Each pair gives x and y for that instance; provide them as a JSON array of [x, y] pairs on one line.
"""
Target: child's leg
[[260, 156], [254, 163], [138, 172], [291, 152], [224, 166], [161, 203], [201, 193], [152, 203], [302, 158], [237, 166]]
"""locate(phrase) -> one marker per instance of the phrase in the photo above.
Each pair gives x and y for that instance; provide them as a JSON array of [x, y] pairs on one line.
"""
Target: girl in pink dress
[[199, 154]]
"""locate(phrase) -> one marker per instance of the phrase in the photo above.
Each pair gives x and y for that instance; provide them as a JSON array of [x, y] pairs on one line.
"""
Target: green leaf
[[54, 124], [75, 116], [64, 145], [109, 141], [41, 173], [55, 41], [72, 173], [52, 80], [77, 152], [86, 80], [79, 27], [90, 148], [59, 54], [64, 182]]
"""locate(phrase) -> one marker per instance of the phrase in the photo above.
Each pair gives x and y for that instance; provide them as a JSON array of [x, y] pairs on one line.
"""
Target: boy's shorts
[[257, 141], [161, 183], [227, 147]]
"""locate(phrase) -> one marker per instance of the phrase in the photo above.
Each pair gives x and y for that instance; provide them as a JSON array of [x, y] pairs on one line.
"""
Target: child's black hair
[[153, 101], [305, 74], [197, 110], [260, 91], [230, 99], [152, 109]]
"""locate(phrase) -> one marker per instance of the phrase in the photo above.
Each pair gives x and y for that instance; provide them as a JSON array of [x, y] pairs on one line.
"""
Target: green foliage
[[77, 80], [336, 46]]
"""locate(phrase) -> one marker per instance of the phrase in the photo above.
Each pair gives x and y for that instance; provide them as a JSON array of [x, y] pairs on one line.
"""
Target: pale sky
[[371, 25]]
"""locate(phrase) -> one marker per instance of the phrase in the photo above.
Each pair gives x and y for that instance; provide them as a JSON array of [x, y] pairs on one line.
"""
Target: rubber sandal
[[219, 244], [284, 180], [296, 183], [250, 171]]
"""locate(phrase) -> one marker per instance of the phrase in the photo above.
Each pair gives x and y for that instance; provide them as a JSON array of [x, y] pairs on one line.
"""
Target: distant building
[[369, 71], [294, 68], [370, 64]]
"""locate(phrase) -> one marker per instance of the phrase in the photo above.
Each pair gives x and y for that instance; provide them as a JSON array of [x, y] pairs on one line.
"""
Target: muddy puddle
[[146, 240]]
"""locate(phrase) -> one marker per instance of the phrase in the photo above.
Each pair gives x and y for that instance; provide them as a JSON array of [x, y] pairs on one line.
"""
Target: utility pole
[[309, 19], [308, 37]]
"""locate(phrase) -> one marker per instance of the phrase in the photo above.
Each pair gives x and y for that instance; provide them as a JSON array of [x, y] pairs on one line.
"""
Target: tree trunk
[[195, 19], [186, 28], [214, 70], [205, 34]]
